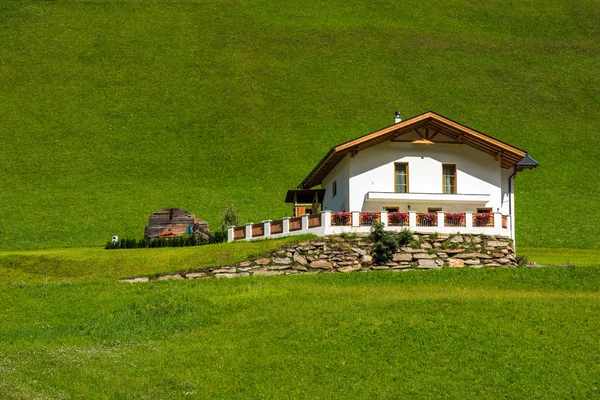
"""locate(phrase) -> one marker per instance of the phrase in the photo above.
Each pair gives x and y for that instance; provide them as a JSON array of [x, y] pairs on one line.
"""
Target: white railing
[[330, 223]]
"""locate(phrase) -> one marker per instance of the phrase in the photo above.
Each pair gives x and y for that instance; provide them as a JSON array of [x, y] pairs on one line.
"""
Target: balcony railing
[[426, 219], [369, 218], [276, 227], [314, 220], [481, 220], [398, 219], [455, 219], [239, 232], [258, 230], [341, 219], [295, 224], [329, 222]]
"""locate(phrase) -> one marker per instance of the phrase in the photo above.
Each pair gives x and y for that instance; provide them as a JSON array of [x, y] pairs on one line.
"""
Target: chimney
[[397, 117]]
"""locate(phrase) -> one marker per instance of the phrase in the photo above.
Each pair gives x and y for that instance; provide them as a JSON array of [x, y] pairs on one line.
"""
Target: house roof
[[527, 163], [427, 126]]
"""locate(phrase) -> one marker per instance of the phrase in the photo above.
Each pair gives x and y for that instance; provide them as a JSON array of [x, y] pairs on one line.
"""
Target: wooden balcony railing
[[455, 219], [258, 230], [276, 227], [239, 232], [398, 219], [369, 218], [295, 224], [426, 219], [481, 220], [341, 219], [314, 221], [452, 222]]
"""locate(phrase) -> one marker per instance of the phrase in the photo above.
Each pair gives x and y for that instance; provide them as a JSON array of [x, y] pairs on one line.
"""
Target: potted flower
[[428, 219], [456, 219], [367, 218], [482, 219], [341, 218], [398, 218]]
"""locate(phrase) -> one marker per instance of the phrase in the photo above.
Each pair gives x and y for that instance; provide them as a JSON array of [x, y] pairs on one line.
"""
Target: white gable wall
[[372, 170], [340, 174]]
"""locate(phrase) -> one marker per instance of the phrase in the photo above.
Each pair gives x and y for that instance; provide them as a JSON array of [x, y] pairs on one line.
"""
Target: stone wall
[[350, 253]]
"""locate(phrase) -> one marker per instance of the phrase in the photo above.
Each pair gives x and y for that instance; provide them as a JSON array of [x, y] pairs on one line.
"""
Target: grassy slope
[[78, 265], [110, 110], [96, 264], [469, 334]]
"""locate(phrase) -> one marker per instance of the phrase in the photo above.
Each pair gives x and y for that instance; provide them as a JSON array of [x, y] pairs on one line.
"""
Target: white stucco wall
[[340, 174], [372, 170]]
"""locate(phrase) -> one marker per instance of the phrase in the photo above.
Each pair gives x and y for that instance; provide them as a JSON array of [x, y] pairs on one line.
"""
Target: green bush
[[384, 244], [404, 237]]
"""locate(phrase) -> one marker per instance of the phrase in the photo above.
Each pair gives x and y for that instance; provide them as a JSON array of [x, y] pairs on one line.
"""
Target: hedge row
[[175, 241]]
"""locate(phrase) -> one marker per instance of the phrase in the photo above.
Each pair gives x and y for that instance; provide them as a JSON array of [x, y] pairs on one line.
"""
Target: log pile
[[173, 222]]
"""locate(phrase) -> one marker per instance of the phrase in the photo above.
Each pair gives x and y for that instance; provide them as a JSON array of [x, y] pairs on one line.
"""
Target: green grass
[[469, 334], [111, 110], [93, 264], [561, 256]]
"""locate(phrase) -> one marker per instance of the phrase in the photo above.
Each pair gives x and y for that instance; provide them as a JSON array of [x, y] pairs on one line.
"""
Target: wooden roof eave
[[509, 154]]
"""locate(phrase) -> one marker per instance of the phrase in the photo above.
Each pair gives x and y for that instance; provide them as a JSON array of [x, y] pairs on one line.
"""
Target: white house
[[427, 173]]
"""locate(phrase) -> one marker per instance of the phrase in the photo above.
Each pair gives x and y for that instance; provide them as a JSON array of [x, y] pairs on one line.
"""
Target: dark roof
[[527, 162], [305, 196], [508, 154]]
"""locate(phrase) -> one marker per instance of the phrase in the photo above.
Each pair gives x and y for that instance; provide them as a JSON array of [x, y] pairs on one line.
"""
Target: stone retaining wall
[[347, 253]]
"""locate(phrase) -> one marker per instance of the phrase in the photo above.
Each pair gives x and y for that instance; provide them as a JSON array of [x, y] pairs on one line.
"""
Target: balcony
[[426, 197]]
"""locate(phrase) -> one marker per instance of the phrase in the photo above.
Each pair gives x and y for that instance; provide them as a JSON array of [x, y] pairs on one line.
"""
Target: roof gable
[[427, 128]]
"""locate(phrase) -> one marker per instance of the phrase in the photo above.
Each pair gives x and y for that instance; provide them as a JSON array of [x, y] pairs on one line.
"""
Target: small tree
[[384, 244], [231, 218]]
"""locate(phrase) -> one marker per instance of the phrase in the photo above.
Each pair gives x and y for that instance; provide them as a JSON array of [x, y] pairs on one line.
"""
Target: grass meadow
[[469, 334], [111, 110]]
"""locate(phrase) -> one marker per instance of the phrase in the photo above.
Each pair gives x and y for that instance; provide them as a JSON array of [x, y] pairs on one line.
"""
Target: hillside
[[111, 110]]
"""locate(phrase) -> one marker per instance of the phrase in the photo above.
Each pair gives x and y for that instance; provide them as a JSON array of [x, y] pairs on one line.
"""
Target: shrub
[[230, 218], [384, 244], [404, 237]]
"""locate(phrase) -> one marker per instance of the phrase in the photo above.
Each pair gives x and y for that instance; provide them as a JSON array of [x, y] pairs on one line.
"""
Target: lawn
[[111, 110], [561, 256], [468, 334]]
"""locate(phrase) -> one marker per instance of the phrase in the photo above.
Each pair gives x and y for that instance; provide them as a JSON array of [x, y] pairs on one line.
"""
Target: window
[[401, 178], [484, 211], [448, 178], [433, 209], [334, 189], [391, 209]]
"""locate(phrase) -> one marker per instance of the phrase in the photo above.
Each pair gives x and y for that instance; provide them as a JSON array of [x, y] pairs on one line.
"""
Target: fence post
[[498, 222], [230, 233], [326, 218], [305, 222], [286, 225], [412, 220], [355, 218], [468, 219], [249, 230], [267, 228], [440, 219], [384, 218]]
